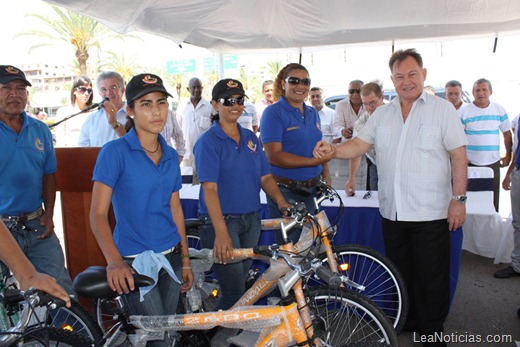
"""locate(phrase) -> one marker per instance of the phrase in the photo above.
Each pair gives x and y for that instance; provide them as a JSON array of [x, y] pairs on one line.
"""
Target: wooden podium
[[74, 182]]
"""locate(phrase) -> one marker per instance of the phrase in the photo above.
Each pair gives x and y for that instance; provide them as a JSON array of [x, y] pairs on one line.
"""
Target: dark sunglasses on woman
[[83, 90], [295, 81], [232, 101]]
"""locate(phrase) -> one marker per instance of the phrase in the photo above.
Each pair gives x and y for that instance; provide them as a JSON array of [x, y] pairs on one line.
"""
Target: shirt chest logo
[[39, 144], [252, 146]]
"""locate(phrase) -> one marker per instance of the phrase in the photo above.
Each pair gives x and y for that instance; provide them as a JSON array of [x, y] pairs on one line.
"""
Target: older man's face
[[13, 97]]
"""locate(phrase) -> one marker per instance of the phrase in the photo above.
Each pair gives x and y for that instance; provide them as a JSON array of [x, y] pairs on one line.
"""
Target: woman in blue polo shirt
[[290, 130], [140, 175], [232, 169]]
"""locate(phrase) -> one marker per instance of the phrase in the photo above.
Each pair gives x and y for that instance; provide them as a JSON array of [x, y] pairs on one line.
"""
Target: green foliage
[[67, 28]]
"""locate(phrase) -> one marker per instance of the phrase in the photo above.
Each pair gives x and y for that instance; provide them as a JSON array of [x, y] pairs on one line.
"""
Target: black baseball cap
[[10, 73], [143, 84], [227, 87]]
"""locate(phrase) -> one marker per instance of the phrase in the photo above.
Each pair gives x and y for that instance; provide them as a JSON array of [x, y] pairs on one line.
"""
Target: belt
[[174, 250], [310, 183], [23, 217]]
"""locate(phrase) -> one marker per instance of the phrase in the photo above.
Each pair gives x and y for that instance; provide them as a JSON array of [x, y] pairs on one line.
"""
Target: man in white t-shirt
[[483, 121], [326, 113]]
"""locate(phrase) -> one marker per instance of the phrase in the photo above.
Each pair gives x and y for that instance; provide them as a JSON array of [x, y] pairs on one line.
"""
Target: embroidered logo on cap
[[232, 84], [12, 70], [149, 79]]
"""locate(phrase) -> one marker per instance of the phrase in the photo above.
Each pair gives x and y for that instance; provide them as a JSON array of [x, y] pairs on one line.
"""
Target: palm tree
[[82, 32], [272, 68], [125, 65]]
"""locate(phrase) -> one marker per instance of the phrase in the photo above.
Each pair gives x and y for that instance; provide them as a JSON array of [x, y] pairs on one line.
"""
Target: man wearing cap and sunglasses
[[27, 181]]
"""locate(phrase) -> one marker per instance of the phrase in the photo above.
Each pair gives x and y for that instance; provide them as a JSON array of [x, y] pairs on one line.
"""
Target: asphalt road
[[483, 307]]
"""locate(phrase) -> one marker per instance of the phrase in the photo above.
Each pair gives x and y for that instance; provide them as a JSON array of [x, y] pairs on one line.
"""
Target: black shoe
[[506, 273]]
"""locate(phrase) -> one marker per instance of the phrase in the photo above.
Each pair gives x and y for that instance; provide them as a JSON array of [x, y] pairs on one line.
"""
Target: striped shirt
[[482, 127]]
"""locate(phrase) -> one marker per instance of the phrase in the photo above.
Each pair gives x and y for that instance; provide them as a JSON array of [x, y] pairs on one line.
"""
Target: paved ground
[[483, 305]]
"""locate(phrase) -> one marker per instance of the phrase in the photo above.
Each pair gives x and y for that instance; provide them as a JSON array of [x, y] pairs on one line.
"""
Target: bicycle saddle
[[92, 283], [191, 223]]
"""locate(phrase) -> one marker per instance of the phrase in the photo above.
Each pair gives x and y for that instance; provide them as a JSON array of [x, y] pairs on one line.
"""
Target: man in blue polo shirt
[[27, 181]]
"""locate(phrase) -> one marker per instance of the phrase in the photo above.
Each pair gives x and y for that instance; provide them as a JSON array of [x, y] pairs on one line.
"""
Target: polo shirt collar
[[133, 141], [222, 135]]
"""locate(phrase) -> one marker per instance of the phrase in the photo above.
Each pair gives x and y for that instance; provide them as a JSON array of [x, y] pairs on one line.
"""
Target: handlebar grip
[[332, 279], [262, 250]]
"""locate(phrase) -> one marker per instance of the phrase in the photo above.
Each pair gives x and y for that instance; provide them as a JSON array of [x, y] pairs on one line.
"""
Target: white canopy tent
[[233, 26]]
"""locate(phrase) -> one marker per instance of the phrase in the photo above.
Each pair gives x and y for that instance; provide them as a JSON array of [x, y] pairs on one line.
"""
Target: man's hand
[[44, 283], [505, 160], [47, 222], [456, 215], [347, 132], [324, 150], [506, 183], [350, 188], [111, 112]]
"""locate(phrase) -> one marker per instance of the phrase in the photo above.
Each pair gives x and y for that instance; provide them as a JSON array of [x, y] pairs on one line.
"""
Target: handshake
[[324, 151]]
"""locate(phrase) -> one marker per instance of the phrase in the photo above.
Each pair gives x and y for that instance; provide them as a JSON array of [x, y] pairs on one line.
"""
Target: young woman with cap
[[232, 169], [139, 173], [290, 130]]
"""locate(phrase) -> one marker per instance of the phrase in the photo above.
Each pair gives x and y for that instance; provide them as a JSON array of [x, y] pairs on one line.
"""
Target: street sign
[[210, 64], [181, 66]]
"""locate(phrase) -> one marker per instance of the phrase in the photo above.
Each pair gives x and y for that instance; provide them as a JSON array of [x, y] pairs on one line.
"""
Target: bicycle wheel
[[384, 284], [53, 337], [77, 320], [342, 316]]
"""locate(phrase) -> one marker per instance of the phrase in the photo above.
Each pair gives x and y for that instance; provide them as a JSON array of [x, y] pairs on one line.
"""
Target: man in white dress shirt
[[195, 118], [108, 123]]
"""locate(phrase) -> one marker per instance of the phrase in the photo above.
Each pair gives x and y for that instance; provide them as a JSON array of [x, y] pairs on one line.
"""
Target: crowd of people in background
[[414, 149]]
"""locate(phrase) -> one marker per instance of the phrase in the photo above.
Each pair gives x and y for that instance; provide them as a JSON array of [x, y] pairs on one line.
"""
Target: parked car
[[390, 94]]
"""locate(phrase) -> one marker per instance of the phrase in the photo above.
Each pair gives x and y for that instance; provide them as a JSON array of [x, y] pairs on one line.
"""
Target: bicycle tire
[[367, 344], [75, 319], [383, 282], [342, 316], [52, 337]]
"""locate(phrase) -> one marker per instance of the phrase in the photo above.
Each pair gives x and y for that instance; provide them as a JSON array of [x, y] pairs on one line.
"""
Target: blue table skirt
[[360, 225]]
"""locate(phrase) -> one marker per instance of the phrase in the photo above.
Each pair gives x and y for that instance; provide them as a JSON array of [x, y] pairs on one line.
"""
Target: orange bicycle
[[322, 316]]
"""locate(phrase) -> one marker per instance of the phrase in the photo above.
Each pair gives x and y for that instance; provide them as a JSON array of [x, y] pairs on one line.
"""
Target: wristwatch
[[460, 198], [117, 125]]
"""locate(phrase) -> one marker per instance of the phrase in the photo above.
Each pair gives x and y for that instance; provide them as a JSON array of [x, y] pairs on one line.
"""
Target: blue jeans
[[290, 197], [244, 231], [162, 299], [45, 254]]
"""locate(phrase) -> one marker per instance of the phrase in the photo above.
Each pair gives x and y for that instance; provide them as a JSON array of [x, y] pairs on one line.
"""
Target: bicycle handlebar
[[315, 265]]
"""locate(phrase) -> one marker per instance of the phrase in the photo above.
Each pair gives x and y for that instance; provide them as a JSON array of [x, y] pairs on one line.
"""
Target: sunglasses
[[295, 81], [232, 101], [83, 90], [352, 91]]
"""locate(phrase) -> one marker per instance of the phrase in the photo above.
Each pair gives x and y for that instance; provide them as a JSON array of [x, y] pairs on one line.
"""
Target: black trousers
[[421, 252]]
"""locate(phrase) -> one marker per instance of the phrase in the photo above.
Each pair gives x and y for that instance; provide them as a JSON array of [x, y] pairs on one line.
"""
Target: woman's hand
[[120, 277], [187, 278], [324, 150], [223, 248]]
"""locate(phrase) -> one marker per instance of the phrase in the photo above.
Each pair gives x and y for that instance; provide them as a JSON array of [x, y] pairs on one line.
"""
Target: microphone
[[99, 104]]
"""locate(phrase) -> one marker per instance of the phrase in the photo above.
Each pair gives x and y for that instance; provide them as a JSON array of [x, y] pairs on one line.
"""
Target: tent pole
[[300, 57], [220, 66]]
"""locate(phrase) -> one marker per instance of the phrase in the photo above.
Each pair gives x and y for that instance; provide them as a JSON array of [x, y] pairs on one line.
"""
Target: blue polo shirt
[[298, 135], [141, 194], [24, 159], [236, 168]]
